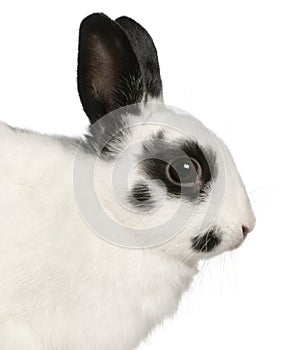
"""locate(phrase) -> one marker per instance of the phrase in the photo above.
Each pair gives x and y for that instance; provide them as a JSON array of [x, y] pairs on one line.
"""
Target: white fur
[[64, 288]]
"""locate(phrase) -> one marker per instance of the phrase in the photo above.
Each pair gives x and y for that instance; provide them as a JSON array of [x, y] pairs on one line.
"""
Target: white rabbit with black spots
[[65, 286]]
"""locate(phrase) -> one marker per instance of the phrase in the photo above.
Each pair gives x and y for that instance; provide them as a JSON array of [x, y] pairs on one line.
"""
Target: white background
[[235, 65]]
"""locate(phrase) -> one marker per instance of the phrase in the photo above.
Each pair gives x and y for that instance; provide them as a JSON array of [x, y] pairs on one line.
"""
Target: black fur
[[141, 197], [109, 75], [146, 53], [206, 243], [158, 152]]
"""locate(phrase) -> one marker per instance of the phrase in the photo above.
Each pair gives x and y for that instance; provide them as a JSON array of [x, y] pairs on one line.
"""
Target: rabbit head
[[163, 179]]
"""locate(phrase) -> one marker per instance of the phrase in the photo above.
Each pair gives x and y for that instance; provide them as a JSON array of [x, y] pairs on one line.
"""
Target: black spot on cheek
[[206, 243], [141, 192], [141, 197]]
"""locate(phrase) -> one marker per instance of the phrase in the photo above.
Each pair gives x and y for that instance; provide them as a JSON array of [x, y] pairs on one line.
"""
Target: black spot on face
[[205, 157], [159, 153], [206, 243], [141, 197], [141, 193]]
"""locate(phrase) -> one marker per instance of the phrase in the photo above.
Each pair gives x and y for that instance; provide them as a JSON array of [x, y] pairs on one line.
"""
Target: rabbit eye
[[184, 171]]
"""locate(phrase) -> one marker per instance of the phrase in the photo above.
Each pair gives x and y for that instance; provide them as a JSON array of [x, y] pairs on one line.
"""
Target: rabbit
[[76, 276]]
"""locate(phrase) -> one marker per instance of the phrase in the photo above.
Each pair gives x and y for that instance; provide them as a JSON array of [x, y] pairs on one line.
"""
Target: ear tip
[[93, 19], [124, 18], [127, 22]]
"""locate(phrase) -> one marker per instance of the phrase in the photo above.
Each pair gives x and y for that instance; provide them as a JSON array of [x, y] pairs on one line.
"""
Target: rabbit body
[[62, 287]]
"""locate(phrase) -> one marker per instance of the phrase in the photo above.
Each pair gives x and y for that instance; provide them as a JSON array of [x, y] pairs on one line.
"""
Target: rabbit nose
[[245, 230]]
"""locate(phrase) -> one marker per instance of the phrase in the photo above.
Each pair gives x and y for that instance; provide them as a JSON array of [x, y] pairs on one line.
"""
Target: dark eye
[[184, 171]]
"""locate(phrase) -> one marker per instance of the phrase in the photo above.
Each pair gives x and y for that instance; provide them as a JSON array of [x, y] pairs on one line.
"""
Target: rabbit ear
[[147, 56], [109, 75]]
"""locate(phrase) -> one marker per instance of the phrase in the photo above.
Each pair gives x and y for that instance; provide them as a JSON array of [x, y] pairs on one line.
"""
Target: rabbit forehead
[[173, 122]]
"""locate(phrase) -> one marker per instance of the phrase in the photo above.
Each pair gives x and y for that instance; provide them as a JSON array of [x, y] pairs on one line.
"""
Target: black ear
[[146, 53], [109, 75]]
